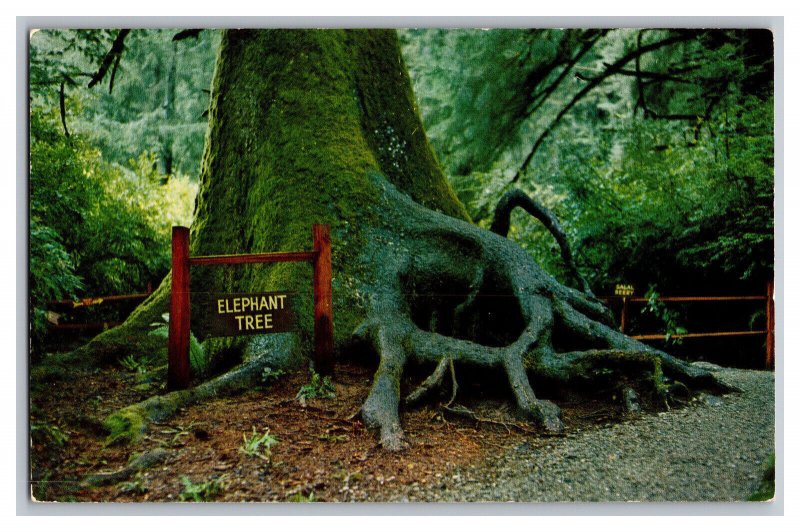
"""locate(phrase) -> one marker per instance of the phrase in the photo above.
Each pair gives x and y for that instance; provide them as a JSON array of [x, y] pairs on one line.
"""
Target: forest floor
[[324, 453]]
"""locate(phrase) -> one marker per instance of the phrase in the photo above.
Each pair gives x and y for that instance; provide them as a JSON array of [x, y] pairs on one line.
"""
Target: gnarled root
[[445, 291], [502, 223]]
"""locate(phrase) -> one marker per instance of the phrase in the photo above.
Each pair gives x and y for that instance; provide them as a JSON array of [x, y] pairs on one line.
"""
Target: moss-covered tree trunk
[[321, 126]]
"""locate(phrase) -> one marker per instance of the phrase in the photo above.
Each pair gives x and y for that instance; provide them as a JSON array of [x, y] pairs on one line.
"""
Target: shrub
[[319, 386]]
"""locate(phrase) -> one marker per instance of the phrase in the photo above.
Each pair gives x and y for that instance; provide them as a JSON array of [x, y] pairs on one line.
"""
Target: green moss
[[659, 387], [126, 425], [391, 123], [50, 370]]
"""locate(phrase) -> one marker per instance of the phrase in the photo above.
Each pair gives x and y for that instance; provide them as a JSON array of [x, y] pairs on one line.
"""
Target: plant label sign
[[253, 313]]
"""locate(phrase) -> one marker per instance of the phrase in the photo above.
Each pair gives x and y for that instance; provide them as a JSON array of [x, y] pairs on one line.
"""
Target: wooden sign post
[[323, 300], [179, 372]]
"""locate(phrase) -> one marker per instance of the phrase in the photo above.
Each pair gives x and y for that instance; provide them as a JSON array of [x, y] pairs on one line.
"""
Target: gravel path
[[715, 449]]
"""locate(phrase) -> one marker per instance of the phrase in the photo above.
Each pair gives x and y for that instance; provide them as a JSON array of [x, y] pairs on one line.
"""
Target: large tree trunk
[[321, 127]]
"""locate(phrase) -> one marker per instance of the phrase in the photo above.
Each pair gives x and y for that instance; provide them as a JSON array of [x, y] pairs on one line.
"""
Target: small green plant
[[134, 486], [668, 317], [320, 387], [334, 438], [299, 497], [131, 364], [269, 375], [197, 355], [39, 487], [177, 433], [202, 491], [258, 445], [48, 434]]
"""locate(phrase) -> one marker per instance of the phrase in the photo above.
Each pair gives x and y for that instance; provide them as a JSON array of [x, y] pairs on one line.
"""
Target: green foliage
[[665, 178], [51, 276], [159, 96], [202, 491], [258, 445], [198, 360], [766, 488], [101, 211], [475, 86], [300, 497], [270, 375], [319, 387], [96, 228], [134, 486], [669, 318], [48, 434], [133, 365], [66, 56], [334, 438], [40, 487]]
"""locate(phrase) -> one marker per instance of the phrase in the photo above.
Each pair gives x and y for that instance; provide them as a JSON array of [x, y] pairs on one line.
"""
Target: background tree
[[321, 126]]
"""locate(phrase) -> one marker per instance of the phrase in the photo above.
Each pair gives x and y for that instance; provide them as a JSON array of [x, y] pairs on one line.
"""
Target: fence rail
[[769, 300], [68, 305]]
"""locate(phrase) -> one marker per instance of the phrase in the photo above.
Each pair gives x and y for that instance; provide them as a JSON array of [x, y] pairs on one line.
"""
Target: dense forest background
[[653, 147]]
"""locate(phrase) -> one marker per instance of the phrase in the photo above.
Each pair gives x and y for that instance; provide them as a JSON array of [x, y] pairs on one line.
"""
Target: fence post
[[323, 300], [623, 320], [770, 325], [178, 370]]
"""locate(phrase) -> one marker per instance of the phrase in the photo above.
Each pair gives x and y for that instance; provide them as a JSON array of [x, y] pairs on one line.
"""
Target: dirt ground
[[323, 451]]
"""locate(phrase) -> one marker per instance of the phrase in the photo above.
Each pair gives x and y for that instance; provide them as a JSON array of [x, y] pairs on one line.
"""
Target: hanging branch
[[543, 95], [111, 58], [185, 34], [114, 73], [654, 76], [639, 80], [594, 82], [63, 106]]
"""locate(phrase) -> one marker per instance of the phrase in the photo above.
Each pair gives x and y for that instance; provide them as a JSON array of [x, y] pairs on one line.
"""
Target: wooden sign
[[253, 313], [243, 315]]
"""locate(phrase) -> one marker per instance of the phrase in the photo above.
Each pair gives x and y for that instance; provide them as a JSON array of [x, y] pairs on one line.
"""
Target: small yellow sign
[[623, 290]]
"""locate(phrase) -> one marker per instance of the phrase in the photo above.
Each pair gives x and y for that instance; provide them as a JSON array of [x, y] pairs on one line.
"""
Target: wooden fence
[[322, 303], [56, 310], [769, 332]]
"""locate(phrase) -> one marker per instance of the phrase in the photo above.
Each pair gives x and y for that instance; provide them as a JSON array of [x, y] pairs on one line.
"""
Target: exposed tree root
[[442, 291], [429, 385], [502, 222], [450, 292], [144, 461], [130, 423]]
